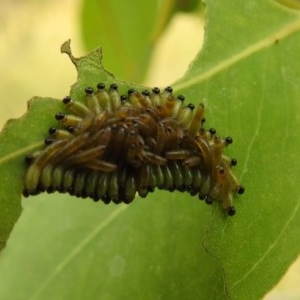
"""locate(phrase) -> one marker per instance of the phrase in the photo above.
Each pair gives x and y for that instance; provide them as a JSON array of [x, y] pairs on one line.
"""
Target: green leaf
[[127, 32], [16, 141], [169, 245], [248, 72]]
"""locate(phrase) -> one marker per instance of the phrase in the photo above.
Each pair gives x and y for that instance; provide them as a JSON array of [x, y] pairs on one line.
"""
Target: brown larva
[[115, 146]]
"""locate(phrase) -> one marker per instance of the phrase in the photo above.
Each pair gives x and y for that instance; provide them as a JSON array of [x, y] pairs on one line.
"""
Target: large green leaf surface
[[170, 246]]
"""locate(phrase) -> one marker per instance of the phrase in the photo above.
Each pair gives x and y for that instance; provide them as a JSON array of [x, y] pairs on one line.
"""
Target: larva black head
[[71, 129], [233, 162], [240, 190], [89, 90], [202, 197], [209, 200], [169, 89], [52, 130], [194, 191], [130, 91], [181, 98], [123, 98], [109, 149], [101, 86], [231, 211], [212, 131], [29, 159], [60, 116], [114, 86], [229, 140], [156, 90], [191, 106], [146, 93], [67, 100], [49, 141]]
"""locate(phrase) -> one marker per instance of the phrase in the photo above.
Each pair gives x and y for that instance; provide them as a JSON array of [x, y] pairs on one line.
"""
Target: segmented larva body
[[115, 146]]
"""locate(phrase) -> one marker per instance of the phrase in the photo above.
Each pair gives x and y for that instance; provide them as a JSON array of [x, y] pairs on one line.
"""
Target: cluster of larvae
[[115, 146]]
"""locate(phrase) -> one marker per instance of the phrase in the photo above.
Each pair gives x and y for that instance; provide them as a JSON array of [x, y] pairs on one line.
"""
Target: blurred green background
[[31, 64]]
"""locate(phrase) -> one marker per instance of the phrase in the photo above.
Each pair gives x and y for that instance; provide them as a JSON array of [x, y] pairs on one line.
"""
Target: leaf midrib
[[284, 32]]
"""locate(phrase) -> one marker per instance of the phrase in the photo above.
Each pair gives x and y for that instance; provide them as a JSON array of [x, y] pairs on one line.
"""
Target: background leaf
[[248, 77], [127, 32], [16, 141]]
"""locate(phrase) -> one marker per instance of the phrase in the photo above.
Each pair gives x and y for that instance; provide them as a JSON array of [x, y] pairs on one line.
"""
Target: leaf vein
[[253, 48], [270, 248], [71, 256]]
